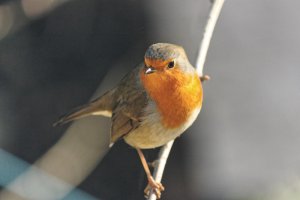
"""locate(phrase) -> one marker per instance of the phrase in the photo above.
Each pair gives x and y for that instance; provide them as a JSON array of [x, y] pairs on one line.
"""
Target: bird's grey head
[[164, 51], [163, 56]]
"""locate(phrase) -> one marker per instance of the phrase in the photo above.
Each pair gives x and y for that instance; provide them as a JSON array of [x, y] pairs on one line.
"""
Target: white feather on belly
[[151, 133]]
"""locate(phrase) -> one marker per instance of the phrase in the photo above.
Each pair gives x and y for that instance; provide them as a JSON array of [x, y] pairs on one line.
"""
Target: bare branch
[[160, 165], [208, 31], [209, 28]]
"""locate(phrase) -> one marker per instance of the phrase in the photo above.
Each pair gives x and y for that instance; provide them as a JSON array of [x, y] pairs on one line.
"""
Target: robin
[[152, 105]]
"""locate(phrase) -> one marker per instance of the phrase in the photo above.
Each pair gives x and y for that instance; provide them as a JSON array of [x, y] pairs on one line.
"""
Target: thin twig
[[208, 31], [160, 166], [209, 28]]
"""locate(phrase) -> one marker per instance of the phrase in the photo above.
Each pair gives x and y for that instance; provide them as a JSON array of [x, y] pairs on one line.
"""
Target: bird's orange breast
[[176, 94]]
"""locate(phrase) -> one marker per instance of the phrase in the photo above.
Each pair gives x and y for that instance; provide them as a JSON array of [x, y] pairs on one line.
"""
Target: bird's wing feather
[[129, 110], [101, 106]]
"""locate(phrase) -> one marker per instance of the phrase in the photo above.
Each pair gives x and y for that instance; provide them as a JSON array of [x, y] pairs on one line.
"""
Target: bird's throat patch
[[176, 94]]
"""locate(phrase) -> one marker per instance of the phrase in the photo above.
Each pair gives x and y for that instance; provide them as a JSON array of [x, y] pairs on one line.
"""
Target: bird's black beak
[[149, 70]]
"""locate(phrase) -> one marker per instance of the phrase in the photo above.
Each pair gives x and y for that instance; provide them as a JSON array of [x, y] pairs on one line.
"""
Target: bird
[[151, 105]]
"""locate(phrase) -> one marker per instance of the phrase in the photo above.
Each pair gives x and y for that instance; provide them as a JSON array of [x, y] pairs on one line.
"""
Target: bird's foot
[[155, 186]]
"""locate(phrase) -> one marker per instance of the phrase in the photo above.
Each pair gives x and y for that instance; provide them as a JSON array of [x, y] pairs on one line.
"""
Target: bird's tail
[[100, 106]]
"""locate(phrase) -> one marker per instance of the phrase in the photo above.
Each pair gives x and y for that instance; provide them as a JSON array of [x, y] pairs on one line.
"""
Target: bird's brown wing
[[129, 110], [100, 106]]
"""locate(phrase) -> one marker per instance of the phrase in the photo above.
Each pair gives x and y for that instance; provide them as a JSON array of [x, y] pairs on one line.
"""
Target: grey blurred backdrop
[[245, 143]]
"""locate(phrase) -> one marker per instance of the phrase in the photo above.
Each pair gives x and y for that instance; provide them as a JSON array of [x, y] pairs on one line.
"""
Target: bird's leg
[[152, 184]]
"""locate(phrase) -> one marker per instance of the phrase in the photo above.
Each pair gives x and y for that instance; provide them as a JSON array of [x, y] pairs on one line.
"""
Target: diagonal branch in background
[[208, 31]]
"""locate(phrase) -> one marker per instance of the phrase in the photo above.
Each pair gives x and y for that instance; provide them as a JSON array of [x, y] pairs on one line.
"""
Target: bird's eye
[[171, 64]]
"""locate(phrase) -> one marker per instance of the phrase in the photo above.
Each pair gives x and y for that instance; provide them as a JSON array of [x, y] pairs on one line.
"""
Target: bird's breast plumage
[[176, 95], [173, 106]]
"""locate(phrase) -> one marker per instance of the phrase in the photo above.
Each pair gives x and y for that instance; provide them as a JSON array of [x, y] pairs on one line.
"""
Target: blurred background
[[57, 54]]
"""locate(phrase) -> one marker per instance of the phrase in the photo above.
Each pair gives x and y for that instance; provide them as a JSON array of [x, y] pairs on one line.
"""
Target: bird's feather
[[100, 106], [129, 109]]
